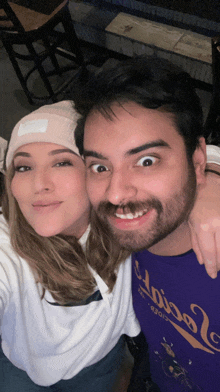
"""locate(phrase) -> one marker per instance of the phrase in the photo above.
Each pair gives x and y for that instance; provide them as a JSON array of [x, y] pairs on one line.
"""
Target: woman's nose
[[42, 181]]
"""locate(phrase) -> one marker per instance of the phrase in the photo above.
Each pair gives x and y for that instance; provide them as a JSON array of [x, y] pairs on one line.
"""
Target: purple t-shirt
[[178, 307]]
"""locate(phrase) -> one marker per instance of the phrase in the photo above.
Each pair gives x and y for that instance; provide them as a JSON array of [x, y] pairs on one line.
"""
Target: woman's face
[[49, 186]]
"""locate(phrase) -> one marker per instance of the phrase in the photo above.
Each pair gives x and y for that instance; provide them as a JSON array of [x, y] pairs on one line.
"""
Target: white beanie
[[54, 123], [213, 154]]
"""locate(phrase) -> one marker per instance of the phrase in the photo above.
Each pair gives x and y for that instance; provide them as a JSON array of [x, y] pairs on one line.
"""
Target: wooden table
[[43, 6]]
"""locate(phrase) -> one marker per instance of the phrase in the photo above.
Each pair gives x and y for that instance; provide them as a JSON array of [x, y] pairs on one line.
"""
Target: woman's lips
[[45, 208]]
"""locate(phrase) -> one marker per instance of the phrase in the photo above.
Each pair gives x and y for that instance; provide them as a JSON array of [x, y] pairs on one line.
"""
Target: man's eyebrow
[[53, 152], [155, 143], [94, 154], [146, 146]]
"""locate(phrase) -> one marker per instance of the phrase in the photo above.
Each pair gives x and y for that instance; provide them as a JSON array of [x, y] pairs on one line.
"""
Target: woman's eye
[[98, 168], [22, 169], [64, 163], [147, 161]]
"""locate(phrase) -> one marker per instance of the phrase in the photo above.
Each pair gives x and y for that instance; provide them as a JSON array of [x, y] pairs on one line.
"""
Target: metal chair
[[212, 124], [22, 26]]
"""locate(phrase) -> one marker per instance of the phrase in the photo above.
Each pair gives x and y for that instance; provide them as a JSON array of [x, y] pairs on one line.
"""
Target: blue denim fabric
[[99, 377]]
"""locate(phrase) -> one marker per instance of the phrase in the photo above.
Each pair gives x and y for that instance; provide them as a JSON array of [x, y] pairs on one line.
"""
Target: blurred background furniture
[[212, 124], [90, 24], [3, 146], [1, 186], [40, 27]]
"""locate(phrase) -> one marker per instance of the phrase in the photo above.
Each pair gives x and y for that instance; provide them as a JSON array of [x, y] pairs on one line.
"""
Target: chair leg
[[72, 37], [41, 70], [52, 56], [18, 72]]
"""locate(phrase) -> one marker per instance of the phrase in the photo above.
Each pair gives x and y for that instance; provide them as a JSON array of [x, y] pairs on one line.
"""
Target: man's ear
[[199, 161]]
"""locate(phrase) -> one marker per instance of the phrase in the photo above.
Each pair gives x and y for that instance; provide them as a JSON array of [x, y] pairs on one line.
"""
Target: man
[[146, 157]]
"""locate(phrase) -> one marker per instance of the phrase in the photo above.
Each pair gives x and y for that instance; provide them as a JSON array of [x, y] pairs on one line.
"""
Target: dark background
[[209, 9]]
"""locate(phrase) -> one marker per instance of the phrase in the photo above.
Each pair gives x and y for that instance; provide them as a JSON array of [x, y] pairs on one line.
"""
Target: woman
[[61, 320]]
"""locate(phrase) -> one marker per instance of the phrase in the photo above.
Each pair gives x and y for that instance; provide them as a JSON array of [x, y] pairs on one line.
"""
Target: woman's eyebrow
[[22, 154], [53, 152], [60, 150]]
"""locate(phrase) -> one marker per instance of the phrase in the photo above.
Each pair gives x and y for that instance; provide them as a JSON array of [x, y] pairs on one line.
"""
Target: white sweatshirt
[[56, 342]]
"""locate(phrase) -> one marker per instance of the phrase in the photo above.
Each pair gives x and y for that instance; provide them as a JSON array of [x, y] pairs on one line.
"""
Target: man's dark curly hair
[[150, 82]]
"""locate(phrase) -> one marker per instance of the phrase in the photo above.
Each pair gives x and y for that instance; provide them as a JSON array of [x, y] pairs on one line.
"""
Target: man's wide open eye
[[97, 168], [147, 161]]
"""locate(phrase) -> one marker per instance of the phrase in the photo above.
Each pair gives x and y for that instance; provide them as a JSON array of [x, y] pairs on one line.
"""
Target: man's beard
[[169, 216]]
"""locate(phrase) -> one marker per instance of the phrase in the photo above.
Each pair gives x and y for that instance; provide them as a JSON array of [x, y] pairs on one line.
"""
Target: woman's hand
[[204, 222]]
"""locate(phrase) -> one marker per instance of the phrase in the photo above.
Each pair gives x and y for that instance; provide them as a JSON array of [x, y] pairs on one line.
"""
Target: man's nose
[[121, 188]]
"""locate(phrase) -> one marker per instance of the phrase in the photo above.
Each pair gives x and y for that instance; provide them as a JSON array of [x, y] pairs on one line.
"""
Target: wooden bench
[[184, 47]]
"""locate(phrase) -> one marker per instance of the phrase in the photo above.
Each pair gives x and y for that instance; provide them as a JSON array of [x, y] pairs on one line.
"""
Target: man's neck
[[176, 243]]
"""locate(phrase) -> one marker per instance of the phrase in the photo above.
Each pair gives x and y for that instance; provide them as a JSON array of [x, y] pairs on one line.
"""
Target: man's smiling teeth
[[130, 216]]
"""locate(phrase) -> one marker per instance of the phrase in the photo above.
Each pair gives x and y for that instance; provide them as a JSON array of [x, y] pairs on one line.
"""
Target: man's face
[[139, 180]]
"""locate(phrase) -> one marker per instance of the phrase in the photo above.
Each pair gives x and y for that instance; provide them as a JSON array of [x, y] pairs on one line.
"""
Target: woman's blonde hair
[[59, 262]]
